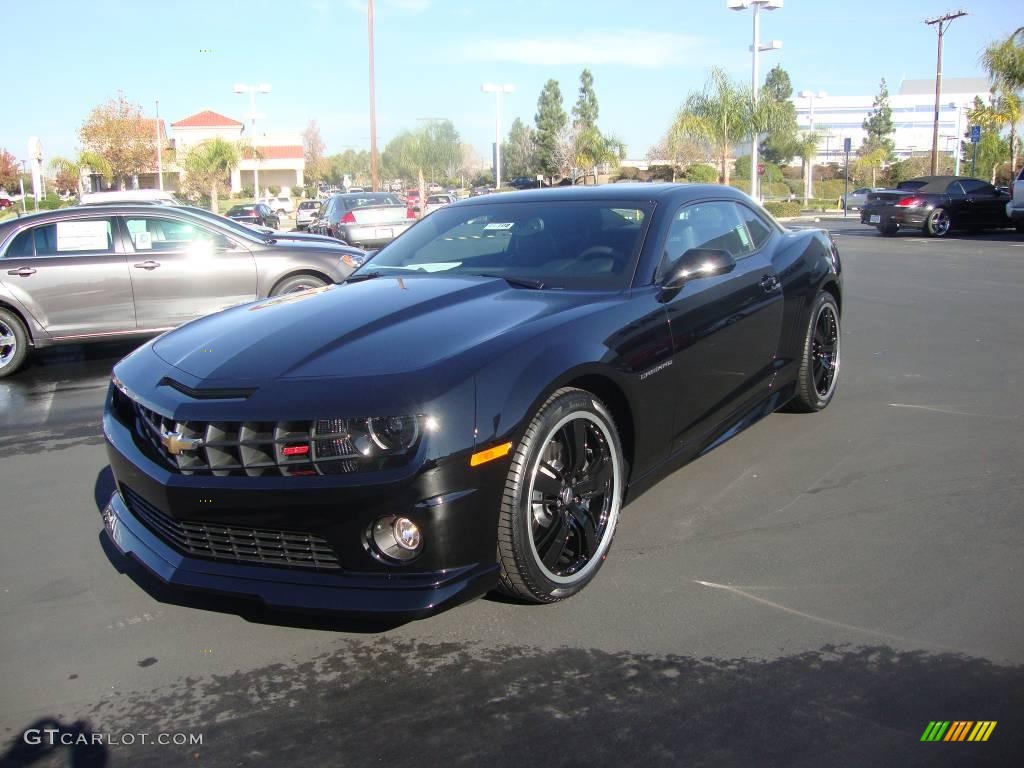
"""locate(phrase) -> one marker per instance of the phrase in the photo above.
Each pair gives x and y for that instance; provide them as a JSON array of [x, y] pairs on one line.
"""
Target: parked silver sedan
[[97, 273]]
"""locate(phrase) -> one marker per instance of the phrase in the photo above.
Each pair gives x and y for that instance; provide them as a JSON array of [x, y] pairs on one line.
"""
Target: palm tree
[[1004, 60], [808, 144], [1004, 110], [209, 165], [725, 114], [87, 161]]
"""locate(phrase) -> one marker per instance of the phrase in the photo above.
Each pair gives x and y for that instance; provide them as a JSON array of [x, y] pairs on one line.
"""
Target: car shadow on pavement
[[458, 703], [250, 610], [46, 739]]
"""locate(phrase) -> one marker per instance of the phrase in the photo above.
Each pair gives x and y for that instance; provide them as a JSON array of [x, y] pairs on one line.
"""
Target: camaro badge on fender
[[176, 444]]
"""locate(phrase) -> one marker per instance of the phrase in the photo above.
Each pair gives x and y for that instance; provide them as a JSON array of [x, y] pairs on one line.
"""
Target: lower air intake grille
[[233, 544]]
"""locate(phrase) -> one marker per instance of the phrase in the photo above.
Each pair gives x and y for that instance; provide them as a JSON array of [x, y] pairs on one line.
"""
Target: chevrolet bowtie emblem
[[176, 444]]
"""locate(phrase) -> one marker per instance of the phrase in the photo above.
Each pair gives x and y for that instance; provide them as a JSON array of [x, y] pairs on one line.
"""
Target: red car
[[5, 202]]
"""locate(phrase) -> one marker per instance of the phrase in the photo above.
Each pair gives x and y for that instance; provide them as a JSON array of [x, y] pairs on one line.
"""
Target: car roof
[[638, 191]]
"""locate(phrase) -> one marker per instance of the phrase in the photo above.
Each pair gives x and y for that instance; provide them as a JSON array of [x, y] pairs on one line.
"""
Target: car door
[[725, 328], [72, 276], [181, 269], [988, 207]]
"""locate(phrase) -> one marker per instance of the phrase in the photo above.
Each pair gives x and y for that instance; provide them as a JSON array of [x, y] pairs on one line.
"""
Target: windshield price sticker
[[499, 225]]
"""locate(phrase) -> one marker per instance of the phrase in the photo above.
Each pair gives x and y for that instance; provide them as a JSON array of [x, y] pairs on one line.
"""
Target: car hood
[[377, 327]]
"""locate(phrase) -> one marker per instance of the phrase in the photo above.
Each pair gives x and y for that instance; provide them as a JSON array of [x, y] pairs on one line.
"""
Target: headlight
[[394, 432], [368, 437]]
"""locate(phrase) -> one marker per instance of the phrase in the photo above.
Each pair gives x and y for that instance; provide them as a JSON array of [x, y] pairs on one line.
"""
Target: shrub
[[245, 194], [274, 189], [701, 173], [782, 209]]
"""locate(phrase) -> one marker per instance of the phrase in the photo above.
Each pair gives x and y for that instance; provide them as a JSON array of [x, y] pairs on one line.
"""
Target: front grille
[[231, 543], [254, 448]]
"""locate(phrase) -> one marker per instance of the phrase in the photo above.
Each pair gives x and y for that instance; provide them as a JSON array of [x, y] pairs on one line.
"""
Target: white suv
[[281, 205], [1015, 208]]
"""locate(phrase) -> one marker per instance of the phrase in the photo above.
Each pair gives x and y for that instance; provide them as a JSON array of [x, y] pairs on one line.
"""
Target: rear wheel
[[938, 223], [297, 283], [819, 365], [13, 343], [562, 499]]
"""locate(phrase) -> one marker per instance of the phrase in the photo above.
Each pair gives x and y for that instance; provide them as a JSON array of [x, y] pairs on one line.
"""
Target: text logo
[[958, 730]]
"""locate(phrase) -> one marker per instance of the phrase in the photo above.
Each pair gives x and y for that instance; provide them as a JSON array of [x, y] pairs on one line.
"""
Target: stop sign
[[760, 169]]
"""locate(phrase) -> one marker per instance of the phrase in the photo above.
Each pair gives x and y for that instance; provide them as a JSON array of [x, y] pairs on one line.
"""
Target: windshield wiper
[[517, 282], [358, 278]]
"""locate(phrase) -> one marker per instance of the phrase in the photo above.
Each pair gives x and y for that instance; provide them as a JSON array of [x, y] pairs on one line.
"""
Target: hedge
[[782, 209]]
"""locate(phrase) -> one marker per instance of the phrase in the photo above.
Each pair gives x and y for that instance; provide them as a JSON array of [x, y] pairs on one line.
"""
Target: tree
[[8, 171], [878, 125], [117, 132], [808, 146], [208, 166], [519, 152], [780, 145], [585, 110], [1004, 60], [313, 151], [677, 150], [725, 114], [71, 172], [1004, 109], [550, 122]]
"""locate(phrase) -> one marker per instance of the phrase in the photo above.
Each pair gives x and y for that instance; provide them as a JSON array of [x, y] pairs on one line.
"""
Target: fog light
[[394, 539], [407, 534]]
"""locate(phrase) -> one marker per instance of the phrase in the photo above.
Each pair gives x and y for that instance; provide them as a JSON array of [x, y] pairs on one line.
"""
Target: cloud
[[639, 48]]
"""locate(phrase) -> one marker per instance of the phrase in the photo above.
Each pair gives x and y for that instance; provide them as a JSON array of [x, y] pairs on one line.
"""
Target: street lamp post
[[252, 90], [497, 90], [159, 158], [941, 24], [756, 48]]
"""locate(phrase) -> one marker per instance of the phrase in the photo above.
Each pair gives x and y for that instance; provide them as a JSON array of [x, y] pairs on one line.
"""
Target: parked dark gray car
[[96, 273]]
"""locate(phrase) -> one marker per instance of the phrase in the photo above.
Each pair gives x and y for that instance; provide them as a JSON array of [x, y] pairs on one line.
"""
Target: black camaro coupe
[[472, 407]]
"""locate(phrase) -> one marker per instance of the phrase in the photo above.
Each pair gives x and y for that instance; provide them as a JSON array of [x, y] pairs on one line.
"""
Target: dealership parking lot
[[815, 591]]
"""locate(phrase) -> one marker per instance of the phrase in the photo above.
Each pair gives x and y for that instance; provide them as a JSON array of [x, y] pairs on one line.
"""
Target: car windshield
[[306, 205], [563, 244]]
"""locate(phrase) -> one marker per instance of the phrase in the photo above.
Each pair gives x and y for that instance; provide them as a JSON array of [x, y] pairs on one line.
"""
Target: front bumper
[[456, 508], [1015, 214]]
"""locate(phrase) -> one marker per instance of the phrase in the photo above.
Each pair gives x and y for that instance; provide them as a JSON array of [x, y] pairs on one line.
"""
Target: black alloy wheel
[[562, 499], [938, 223], [819, 366]]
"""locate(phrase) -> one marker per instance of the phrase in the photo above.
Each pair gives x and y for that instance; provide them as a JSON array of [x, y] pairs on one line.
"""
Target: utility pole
[[374, 179], [941, 24]]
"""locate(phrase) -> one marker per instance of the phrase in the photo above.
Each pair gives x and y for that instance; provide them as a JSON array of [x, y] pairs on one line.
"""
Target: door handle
[[148, 265], [22, 272], [769, 283]]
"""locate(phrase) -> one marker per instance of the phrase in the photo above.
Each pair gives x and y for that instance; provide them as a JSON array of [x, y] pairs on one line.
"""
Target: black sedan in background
[[255, 213], [937, 205], [472, 407]]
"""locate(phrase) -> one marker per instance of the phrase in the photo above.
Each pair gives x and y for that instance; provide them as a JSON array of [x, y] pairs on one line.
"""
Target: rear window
[[306, 205], [241, 209]]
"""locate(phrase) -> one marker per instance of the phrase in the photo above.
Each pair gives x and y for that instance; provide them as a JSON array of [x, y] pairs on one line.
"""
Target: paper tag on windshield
[[499, 225]]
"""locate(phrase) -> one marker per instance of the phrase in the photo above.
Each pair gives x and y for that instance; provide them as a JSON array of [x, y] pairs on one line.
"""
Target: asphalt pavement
[[815, 591]]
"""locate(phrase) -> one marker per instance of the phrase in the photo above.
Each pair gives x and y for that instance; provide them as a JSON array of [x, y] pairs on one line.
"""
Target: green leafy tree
[[117, 132], [780, 145], [585, 111], [1003, 110], [208, 167], [878, 125], [725, 114], [808, 148], [519, 152], [71, 172], [550, 121], [1004, 60]]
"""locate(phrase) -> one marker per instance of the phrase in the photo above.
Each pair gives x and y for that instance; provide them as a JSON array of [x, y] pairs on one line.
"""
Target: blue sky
[[67, 56]]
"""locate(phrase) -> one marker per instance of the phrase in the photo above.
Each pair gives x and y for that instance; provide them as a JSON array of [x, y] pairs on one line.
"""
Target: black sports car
[[255, 213], [937, 205], [473, 406]]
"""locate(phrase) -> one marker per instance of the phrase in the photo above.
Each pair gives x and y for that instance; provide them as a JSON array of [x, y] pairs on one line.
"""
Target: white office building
[[913, 113]]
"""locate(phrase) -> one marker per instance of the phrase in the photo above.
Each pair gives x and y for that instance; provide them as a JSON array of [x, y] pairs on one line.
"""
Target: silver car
[[306, 212], [856, 198], [97, 273], [364, 219]]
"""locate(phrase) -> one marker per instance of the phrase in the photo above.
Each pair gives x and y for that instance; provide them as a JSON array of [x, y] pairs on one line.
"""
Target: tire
[[559, 513], [938, 223], [820, 359], [297, 283], [889, 230], [13, 343]]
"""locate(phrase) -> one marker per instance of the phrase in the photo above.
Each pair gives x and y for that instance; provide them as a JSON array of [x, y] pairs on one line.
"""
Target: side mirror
[[697, 263]]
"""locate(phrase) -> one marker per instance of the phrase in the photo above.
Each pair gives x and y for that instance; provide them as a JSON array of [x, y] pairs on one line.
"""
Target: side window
[[976, 187], [65, 238], [714, 224], [756, 226], [152, 233]]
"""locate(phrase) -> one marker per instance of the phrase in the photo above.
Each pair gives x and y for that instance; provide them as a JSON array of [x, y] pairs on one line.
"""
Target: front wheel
[[819, 364], [297, 283], [562, 499], [938, 223]]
